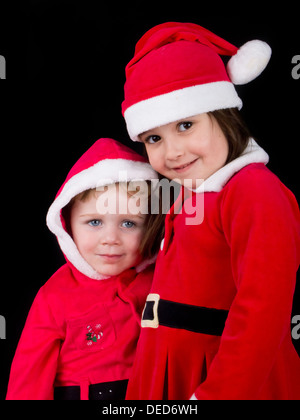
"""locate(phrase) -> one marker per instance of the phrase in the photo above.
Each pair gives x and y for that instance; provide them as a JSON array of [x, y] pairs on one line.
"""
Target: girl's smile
[[184, 168], [192, 149]]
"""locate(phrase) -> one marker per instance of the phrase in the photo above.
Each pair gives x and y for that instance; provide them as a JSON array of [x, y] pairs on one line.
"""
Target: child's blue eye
[[185, 125], [128, 224], [94, 223], [152, 139]]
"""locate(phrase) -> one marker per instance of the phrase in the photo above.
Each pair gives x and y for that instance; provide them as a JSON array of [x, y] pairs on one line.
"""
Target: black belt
[[181, 316], [105, 391]]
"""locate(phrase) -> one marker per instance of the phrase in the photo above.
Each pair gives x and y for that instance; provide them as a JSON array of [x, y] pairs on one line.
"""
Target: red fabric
[[174, 56], [55, 348], [242, 258], [102, 149]]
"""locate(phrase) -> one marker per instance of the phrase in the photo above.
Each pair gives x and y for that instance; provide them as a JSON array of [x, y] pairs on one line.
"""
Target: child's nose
[[110, 236]]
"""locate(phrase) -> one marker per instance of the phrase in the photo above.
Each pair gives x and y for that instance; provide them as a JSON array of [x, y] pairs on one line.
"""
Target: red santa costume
[[80, 337], [217, 320]]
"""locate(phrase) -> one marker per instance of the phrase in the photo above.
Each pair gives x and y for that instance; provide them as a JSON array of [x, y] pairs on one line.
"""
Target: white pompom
[[249, 62]]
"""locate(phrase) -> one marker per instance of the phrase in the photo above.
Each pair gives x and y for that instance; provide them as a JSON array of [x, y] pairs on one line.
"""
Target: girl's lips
[[184, 168]]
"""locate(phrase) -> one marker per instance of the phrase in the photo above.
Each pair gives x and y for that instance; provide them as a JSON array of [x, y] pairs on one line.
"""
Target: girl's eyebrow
[[143, 135]]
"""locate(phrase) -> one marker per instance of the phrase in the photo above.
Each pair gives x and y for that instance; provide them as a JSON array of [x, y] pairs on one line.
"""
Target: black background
[[64, 88]]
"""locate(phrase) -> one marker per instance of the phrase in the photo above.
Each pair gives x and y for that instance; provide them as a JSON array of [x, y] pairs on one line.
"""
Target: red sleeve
[[34, 366], [141, 288], [137, 292], [260, 220]]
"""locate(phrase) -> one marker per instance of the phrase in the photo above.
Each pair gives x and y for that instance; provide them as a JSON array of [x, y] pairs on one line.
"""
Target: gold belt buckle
[[151, 323]]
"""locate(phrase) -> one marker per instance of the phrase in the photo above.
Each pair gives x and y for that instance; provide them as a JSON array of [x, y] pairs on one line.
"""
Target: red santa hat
[[177, 72], [105, 162]]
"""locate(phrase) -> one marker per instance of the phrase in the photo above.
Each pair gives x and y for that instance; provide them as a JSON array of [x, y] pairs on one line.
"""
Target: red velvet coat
[[56, 349], [242, 258], [83, 326]]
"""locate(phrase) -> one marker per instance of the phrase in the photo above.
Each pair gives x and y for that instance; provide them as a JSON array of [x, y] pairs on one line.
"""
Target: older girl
[[217, 320]]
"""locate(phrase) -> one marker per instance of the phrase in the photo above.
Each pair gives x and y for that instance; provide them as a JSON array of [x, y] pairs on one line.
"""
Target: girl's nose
[[174, 148]]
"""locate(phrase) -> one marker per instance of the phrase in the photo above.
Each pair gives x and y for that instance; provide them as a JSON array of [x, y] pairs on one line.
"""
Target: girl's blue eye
[[152, 139], [94, 223], [128, 224], [185, 125]]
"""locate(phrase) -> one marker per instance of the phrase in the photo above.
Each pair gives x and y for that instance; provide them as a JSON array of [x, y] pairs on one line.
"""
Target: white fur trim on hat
[[179, 104], [249, 62], [102, 173]]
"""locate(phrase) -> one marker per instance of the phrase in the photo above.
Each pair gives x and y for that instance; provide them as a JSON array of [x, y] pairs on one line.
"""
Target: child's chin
[[110, 271]]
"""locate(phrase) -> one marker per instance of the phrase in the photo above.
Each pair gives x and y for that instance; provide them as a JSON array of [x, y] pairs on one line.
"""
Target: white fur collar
[[253, 154]]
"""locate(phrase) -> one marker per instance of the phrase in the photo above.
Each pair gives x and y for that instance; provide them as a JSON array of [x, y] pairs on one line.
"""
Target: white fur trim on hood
[[102, 173]]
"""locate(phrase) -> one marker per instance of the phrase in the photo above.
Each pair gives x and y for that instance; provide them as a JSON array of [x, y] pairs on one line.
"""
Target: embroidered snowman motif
[[94, 334]]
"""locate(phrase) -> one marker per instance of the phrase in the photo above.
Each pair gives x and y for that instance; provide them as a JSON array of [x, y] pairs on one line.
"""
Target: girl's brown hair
[[235, 130], [154, 230]]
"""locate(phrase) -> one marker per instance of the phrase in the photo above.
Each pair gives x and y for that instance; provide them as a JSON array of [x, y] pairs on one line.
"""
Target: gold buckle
[[151, 323]]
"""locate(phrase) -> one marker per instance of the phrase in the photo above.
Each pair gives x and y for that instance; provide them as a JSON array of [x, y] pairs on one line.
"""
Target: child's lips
[[110, 257]]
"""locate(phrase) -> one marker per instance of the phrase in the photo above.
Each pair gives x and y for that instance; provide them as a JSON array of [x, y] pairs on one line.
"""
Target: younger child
[[80, 337], [217, 321]]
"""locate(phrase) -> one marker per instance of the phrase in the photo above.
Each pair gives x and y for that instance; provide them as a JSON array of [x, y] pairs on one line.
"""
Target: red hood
[[106, 162]]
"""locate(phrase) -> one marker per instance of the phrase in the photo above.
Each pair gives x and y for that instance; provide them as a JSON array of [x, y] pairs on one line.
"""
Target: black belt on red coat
[[115, 390], [192, 318]]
